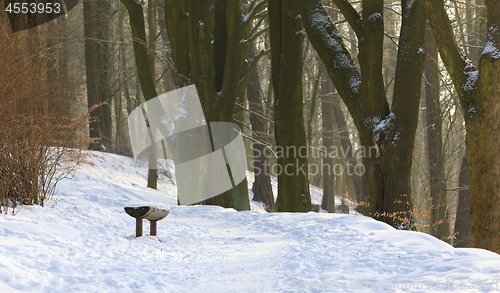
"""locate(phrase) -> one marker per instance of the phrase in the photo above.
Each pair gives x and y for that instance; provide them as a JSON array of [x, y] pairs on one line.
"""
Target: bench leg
[[138, 227], [152, 228]]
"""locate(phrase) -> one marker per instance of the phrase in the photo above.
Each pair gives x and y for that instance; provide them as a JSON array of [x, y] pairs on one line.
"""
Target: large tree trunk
[[177, 25], [397, 152], [196, 30], [286, 62], [216, 75], [483, 139], [98, 69], [434, 141], [262, 189], [387, 135], [479, 93]]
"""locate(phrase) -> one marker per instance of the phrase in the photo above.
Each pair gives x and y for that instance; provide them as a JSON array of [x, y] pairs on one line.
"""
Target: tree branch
[[257, 34], [140, 51], [254, 10], [456, 63], [328, 43], [409, 69], [244, 81], [256, 26], [351, 15]]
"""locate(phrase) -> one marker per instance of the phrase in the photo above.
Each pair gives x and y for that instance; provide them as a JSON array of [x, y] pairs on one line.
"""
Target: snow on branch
[[327, 41]]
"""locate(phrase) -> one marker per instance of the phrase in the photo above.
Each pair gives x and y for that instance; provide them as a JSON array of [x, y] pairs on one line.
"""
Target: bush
[[35, 123]]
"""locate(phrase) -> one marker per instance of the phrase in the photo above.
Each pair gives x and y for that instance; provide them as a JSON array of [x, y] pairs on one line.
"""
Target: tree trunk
[[118, 110], [91, 70], [347, 147], [124, 78], [479, 93], [262, 189], [104, 67], [195, 33], [483, 139], [98, 69], [435, 142], [463, 237], [214, 75], [169, 82], [144, 73], [387, 135], [328, 202], [152, 38], [312, 110], [286, 55], [177, 25], [152, 158]]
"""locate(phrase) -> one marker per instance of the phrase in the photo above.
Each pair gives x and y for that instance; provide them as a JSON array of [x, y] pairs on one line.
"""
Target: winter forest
[[387, 109]]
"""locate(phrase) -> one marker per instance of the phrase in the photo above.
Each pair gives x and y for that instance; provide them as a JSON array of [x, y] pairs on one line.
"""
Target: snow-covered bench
[[150, 213]]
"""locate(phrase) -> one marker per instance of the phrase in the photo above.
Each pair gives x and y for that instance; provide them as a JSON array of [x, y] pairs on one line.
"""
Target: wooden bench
[[150, 213]]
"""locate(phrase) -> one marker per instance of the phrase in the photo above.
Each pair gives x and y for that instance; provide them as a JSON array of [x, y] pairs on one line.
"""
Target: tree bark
[[124, 78], [286, 63], [104, 50], [347, 147], [262, 189], [144, 73], [177, 25], [169, 82], [195, 34], [91, 69], [152, 38], [312, 110], [327, 110], [434, 141], [463, 237], [479, 94], [387, 135]]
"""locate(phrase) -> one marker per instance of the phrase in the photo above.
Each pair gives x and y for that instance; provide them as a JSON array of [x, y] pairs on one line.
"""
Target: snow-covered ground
[[83, 241]]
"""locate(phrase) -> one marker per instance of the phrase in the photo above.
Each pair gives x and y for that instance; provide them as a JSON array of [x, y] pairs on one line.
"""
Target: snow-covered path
[[83, 241]]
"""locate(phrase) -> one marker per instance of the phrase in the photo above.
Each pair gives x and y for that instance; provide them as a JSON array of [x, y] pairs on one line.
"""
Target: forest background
[[363, 77]]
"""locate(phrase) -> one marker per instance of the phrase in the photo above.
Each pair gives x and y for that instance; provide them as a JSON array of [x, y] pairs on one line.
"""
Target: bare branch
[[255, 10], [352, 16], [328, 43], [457, 64]]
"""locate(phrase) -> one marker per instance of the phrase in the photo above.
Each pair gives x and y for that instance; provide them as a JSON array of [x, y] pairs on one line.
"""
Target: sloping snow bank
[[83, 241]]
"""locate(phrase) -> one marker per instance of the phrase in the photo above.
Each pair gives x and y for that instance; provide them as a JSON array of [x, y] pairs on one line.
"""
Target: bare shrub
[[36, 127]]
